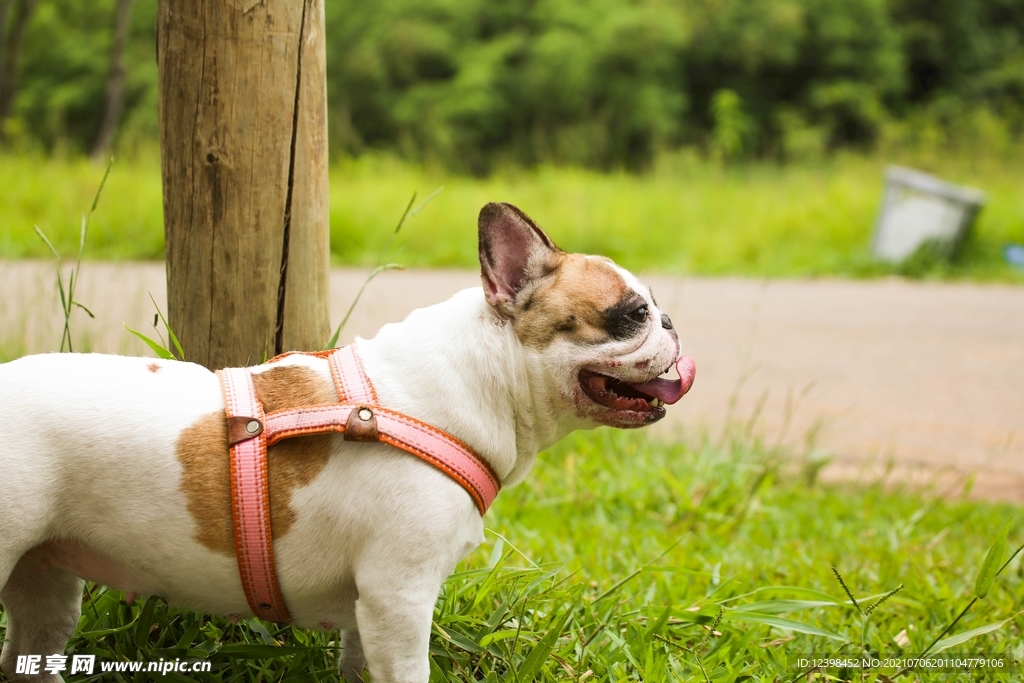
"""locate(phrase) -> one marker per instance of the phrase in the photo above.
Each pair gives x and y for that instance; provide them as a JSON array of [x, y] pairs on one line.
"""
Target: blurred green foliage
[[686, 216], [63, 71], [474, 85]]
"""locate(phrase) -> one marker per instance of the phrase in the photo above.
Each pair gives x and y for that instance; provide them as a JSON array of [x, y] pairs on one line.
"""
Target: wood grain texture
[[243, 137]]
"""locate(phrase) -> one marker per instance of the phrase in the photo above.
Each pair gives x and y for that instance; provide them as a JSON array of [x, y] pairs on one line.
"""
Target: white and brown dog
[[114, 469]]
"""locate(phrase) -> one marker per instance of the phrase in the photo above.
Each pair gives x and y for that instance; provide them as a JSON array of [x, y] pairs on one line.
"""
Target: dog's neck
[[458, 366]]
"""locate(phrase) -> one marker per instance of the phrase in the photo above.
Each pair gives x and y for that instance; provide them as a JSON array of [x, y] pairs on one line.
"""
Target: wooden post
[[243, 137]]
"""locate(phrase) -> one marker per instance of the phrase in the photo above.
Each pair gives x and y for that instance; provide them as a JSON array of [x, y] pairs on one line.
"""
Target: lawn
[[687, 217], [624, 559]]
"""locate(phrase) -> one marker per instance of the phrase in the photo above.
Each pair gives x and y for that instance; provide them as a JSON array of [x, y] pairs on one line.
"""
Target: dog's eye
[[639, 314]]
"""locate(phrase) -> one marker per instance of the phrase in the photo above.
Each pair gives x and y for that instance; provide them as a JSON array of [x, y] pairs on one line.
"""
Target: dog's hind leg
[[353, 663], [42, 605]]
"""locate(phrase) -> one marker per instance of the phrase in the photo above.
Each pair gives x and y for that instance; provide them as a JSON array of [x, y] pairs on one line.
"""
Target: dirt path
[[923, 379]]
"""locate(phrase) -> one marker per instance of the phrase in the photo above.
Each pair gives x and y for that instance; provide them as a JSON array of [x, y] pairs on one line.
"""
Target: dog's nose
[[666, 324]]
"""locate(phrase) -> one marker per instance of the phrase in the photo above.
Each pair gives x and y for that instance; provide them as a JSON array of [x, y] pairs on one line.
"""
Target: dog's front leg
[[43, 605], [394, 631], [353, 663]]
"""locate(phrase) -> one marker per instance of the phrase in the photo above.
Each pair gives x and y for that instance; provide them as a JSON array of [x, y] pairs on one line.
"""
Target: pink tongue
[[671, 390]]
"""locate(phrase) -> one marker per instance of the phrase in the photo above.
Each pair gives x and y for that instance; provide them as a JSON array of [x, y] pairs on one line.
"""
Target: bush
[[607, 84]]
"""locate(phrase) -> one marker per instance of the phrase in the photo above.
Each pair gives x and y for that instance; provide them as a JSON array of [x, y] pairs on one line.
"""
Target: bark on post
[[243, 136]]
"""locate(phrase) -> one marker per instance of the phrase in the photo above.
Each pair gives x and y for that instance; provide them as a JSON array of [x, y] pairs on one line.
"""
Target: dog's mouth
[[642, 397]]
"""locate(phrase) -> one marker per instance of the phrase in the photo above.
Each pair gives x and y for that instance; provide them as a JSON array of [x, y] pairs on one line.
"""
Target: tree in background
[[475, 85], [12, 33], [64, 70], [115, 80]]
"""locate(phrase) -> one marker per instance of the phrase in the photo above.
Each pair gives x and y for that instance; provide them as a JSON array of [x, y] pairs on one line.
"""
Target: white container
[[919, 208]]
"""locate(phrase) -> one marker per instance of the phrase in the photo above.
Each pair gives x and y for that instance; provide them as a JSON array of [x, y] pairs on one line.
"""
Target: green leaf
[[145, 621], [255, 651], [794, 591], [82, 306], [179, 652], [159, 350], [783, 606], [781, 622], [411, 214], [167, 326], [313, 676], [658, 624], [494, 636], [262, 631], [176, 677], [535, 660], [946, 643], [52, 249], [990, 565], [464, 642], [93, 635], [189, 635]]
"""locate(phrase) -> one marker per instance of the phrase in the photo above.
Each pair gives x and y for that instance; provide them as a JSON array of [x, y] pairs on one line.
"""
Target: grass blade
[[409, 213], [959, 638], [145, 622], [657, 625], [783, 623], [159, 350], [990, 565], [43, 236], [83, 307], [543, 649], [256, 651], [170, 332], [783, 606]]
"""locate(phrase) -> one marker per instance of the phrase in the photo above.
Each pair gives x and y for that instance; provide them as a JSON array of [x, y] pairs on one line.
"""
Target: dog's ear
[[513, 250]]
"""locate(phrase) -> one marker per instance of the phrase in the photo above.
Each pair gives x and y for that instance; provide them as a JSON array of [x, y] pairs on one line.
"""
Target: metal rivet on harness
[[252, 426], [365, 414]]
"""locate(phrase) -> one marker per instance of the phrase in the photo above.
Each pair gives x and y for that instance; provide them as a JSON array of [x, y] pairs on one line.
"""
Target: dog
[[114, 469]]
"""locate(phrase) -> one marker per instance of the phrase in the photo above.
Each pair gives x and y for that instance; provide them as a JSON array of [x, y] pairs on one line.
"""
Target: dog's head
[[595, 329]]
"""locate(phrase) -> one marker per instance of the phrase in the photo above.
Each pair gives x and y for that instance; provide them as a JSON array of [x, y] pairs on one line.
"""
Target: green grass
[[619, 555], [621, 558], [687, 217]]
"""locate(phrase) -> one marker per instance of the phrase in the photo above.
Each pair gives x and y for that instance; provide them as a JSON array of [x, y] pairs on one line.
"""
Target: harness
[[360, 418]]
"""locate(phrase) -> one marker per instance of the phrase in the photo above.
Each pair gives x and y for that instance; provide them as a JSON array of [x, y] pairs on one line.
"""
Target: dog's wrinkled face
[[602, 338]]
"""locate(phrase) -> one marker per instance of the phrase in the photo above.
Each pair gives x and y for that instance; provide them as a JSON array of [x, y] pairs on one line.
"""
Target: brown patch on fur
[[293, 386], [206, 481], [293, 463], [571, 302], [153, 367]]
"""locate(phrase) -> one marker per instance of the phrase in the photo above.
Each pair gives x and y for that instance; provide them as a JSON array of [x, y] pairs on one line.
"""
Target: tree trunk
[[12, 49], [115, 80], [5, 13], [243, 136]]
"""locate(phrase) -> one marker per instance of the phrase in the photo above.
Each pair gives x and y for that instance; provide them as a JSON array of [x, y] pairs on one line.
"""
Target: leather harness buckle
[[361, 425], [241, 428]]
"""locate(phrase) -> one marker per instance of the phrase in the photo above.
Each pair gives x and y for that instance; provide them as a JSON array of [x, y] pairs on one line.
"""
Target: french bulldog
[[114, 469]]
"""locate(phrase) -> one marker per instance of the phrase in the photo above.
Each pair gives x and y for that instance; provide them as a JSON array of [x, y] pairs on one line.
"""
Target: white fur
[[92, 482]]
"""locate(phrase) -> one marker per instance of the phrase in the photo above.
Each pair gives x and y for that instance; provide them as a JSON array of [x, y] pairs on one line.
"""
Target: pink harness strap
[[250, 498], [360, 418], [428, 443], [349, 377]]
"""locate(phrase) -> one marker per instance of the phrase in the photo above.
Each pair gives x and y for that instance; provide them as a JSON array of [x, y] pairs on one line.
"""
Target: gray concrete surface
[[923, 379]]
